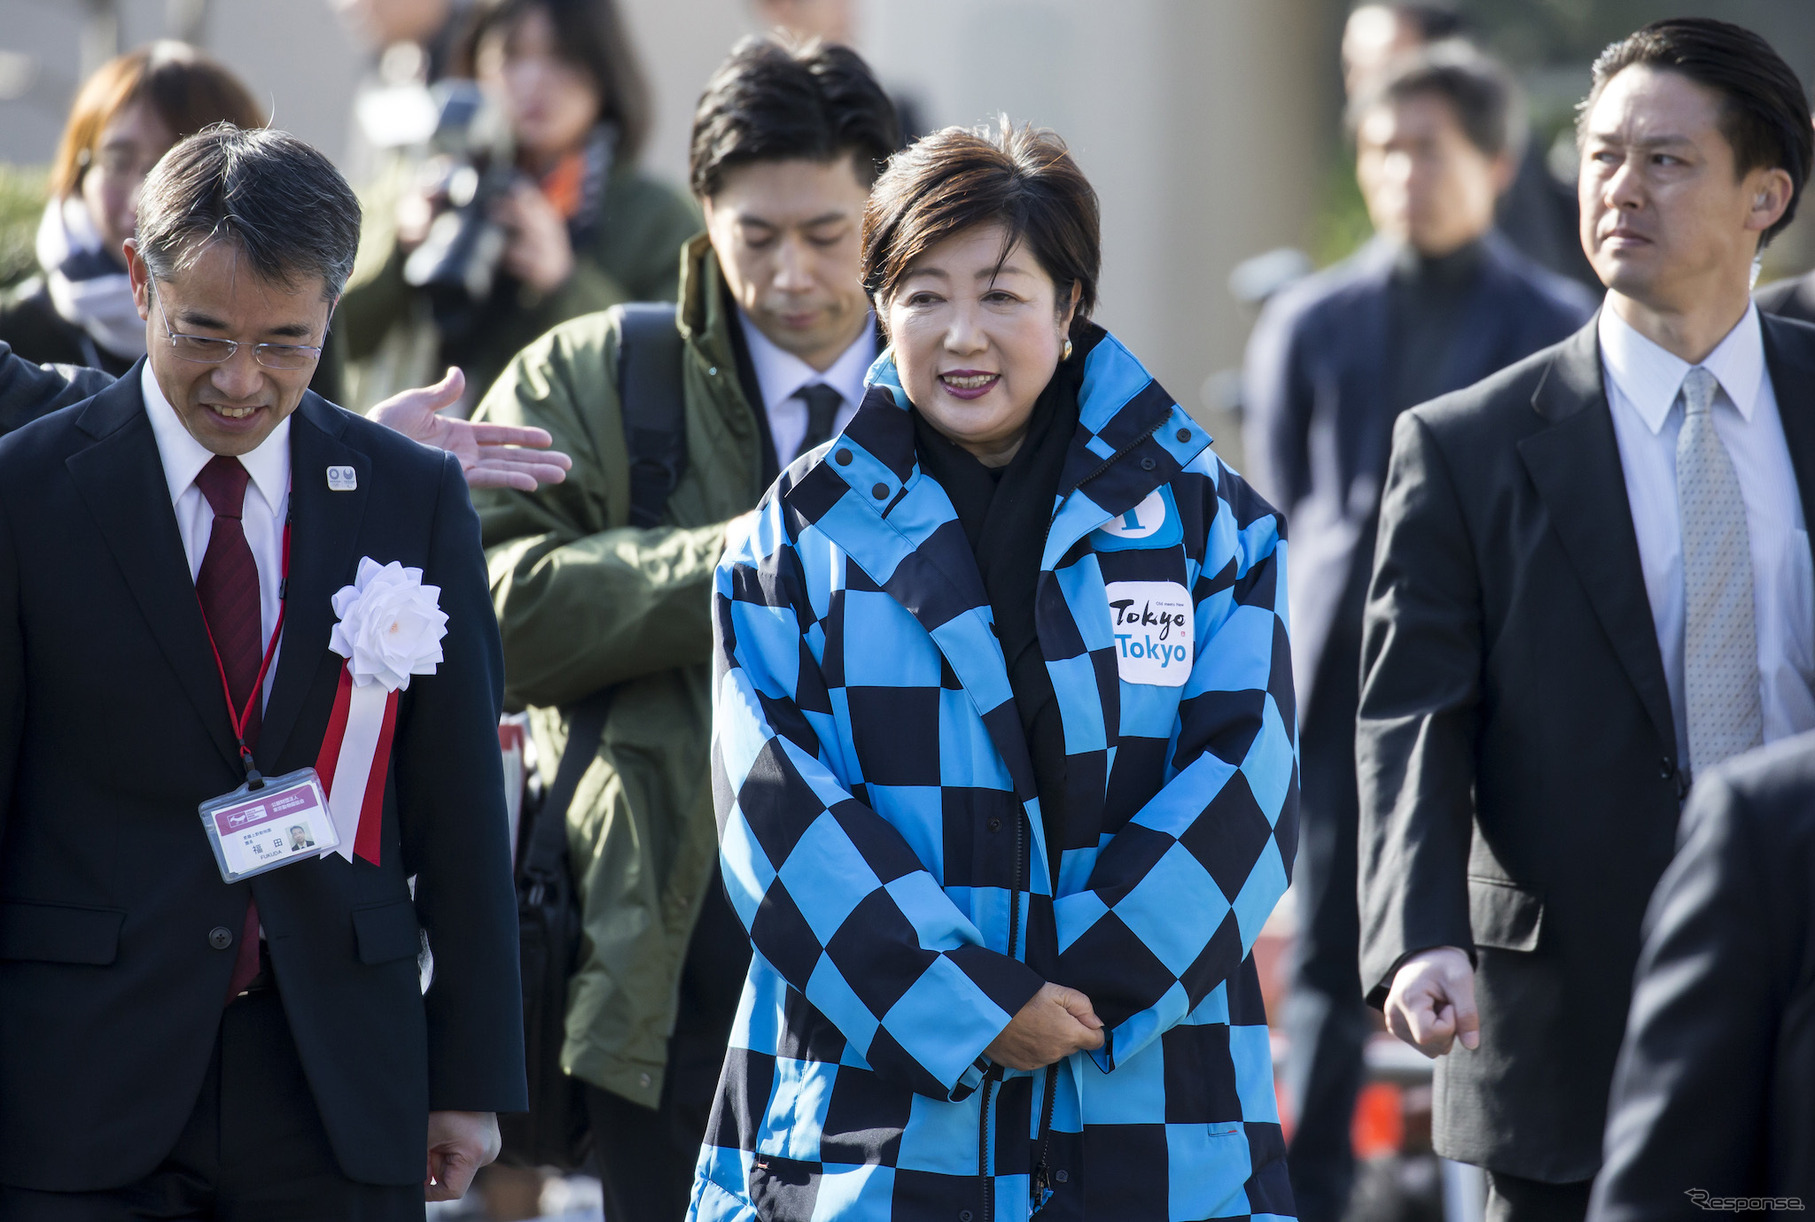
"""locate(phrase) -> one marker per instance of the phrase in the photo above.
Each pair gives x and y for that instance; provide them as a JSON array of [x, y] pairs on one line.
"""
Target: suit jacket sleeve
[[450, 802], [28, 391], [1421, 665], [12, 663], [1217, 840], [1689, 1106], [584, 602], [1276, 406]]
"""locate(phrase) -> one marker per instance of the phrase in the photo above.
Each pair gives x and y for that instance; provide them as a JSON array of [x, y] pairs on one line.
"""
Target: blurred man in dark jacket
[[1437, 301], [1711, 1094], [1537, 214]]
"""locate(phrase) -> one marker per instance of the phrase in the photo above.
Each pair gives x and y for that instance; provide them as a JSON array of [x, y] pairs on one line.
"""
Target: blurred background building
[[1210, 127]]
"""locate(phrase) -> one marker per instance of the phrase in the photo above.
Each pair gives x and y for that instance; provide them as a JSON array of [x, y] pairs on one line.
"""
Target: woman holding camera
[[1004, 756], [79, 310], [583, 229]]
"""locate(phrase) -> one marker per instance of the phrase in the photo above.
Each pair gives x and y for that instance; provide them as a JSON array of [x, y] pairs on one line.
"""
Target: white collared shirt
[[781, 376], [1643, 381], [261, 517]]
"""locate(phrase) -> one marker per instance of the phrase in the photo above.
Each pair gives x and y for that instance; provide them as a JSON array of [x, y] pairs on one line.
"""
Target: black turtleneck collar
[[1445, 273]]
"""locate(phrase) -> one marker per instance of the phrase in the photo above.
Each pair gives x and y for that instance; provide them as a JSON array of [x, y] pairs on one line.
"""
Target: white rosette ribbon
[[390, 628]]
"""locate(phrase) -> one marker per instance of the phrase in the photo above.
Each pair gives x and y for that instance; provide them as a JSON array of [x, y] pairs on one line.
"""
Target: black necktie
[[822, 410]]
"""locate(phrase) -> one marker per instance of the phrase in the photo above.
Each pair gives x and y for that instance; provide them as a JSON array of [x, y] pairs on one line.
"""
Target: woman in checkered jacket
[[1004, 757]]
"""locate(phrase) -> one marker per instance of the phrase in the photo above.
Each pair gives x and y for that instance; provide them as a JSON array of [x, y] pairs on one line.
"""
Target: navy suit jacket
[[113, 728], [1319, 426]]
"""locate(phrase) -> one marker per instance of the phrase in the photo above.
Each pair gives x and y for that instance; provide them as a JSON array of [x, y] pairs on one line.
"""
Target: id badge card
[[255, 830]]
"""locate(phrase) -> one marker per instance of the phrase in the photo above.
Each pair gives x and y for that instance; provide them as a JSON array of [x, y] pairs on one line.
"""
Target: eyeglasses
[[205, 350]]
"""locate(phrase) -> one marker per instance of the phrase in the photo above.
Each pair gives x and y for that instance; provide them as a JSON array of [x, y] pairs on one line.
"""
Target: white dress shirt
[[1643, 381], [781, 376], [261, 517]]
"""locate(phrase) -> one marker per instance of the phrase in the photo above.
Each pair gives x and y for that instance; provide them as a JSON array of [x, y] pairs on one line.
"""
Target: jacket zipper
[[1041, 1182], [984, 1178]]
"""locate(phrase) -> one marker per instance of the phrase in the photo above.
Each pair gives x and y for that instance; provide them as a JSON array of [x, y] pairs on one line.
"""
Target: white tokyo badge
[[342, 479], [254, 830], [1153, 626], [1141, 521]]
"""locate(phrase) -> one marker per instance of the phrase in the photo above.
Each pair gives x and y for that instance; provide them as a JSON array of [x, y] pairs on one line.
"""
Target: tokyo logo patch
[[1154, 631]]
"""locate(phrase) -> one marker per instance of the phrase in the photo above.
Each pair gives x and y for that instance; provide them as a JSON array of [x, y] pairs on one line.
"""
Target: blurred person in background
[[833, 21], [1536, 213], [599, 591], [1003, 753], [1437, 301], [582, 227], [1592, 586], [417, 36], [79, 310]]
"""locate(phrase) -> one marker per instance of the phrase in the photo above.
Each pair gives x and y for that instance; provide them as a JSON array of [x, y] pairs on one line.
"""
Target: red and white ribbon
[[390, 628], [354, 762]]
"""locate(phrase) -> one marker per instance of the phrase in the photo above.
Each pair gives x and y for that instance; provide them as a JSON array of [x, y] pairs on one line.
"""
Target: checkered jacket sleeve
[[1215, 842], [833, 895]]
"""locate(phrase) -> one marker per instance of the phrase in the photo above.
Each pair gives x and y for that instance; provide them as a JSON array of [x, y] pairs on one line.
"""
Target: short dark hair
[[776, 99], [1765, 114], [277, 199], [590, 35], [1480, 92], [1021, 178]]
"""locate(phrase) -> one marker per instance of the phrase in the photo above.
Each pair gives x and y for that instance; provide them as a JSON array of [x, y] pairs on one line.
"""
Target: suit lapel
[[324, 541], [1790, 357], [1575, 465], [121, 479]]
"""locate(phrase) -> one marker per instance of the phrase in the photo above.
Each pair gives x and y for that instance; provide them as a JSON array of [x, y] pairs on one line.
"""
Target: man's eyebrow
[[289, 330], [1645, 142], [829, 218]]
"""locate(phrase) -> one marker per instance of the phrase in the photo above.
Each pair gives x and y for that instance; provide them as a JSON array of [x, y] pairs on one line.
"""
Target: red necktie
[[227, 586]]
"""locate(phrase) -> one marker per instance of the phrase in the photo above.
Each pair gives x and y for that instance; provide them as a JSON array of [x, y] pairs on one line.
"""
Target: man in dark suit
[[1437, 301], [1592, 583], [171, 1044], [1711, 1093]]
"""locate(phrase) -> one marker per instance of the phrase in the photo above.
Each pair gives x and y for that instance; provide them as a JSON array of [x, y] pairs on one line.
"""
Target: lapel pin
[[342, 479]]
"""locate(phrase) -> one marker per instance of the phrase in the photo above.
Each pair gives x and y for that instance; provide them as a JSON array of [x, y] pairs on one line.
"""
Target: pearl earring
[[1066, 354]]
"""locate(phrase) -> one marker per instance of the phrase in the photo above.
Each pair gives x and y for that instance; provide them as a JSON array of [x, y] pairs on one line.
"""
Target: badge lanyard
[[239, 719]]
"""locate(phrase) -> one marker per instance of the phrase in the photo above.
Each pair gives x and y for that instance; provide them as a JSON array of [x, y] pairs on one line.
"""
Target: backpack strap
[[650, 352]]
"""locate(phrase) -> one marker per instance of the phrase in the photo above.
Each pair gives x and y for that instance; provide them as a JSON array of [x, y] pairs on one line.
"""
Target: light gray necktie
[[1720, 646]]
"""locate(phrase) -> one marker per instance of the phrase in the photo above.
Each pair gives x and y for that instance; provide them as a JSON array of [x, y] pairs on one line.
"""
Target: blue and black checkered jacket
[[881, 838]]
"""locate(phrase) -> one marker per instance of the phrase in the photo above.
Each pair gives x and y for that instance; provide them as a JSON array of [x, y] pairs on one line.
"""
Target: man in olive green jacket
[[775, 337]]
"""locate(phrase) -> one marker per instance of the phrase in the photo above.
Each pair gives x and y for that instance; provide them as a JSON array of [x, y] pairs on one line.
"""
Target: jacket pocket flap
[[1503, 914], [387, 931], [60, 933]]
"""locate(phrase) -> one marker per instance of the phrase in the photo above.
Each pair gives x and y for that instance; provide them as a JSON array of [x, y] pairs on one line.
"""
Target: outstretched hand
[[1055, 1023], [491, 455]]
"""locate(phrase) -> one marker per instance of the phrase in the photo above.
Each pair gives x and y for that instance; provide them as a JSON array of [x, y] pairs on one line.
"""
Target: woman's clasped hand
[[1054, 1023]]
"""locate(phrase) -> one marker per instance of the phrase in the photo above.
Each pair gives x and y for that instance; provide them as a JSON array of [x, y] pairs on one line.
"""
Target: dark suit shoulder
[[1792, 298], [1773, 788], [399, 455], [1332, 291], [1502, 401]]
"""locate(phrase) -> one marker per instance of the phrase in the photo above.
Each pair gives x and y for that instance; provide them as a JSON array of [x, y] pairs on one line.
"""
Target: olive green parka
[[585, 600]]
